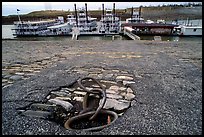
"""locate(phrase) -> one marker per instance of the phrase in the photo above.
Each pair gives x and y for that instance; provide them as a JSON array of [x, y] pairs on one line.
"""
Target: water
[[8, 34]]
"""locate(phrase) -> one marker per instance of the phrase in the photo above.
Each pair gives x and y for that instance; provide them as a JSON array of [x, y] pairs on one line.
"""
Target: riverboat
[[135, 17], [82, 21], [33, 28], [110, 23], [183, 30]]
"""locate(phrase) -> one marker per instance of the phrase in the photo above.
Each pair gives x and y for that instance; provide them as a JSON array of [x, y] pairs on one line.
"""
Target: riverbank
[[168, 83]]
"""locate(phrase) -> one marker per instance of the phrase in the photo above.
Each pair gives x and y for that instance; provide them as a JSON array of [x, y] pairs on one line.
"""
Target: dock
[[128, 31]]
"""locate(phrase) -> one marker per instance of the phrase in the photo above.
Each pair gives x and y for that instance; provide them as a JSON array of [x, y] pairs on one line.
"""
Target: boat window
[[194, 30]]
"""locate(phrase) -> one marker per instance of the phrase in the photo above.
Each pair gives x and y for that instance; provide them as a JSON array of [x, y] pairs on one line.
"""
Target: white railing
[[128, 32]]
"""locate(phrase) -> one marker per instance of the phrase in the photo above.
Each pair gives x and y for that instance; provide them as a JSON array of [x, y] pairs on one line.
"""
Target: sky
[[9, 8]]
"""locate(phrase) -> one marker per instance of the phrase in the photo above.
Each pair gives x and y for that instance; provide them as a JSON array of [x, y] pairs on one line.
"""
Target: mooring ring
[[68, 123], [84, 88]]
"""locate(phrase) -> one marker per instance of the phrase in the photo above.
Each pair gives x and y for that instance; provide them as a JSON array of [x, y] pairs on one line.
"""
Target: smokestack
[[140, 9], [114, 12], [76, 15], [103, 9], [86, 13], [114, 8], [132, 13]]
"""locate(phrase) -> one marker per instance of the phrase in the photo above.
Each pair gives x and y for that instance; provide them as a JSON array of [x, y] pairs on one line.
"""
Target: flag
[[18, 10]]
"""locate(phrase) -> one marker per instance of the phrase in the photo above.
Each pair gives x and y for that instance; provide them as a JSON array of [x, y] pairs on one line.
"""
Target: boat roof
[[35, 22], [58, 26], [154, 25], [195, 27]]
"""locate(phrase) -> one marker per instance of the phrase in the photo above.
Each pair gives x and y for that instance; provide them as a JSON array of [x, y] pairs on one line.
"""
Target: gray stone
[[110, 91], [68, 89], [4, 80], [115, 70], [124, 78], [137, 76], [82, 72], [78, 88], [109, 76], [44, 107], [118, 105], [27, 70], [93, 75], [80, 99], [29, 74], [79, 93], [64, 98], [48, 97], [129, 96], [7, 76], [115, 88], [115, 96], [18, 73], [123, 94], [122, 88], [68, 106], [109, 82], [100, 76], [129, 90], [38, 114], [95, 86], [96, 69], [16, 77], [125, 82], [125, 72], [61, 94], [36, 71]]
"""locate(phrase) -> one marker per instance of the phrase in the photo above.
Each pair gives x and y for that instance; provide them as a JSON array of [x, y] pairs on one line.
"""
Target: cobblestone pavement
[[167, 83]]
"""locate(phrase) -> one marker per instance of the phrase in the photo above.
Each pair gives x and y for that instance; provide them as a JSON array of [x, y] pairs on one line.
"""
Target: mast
[[19, 16], [76, 15]]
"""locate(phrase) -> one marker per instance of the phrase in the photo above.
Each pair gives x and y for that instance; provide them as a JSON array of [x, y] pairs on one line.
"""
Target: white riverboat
[[35, 28], [84, 22], [136, 18], [57, 30], [109, 23], [184, 30]]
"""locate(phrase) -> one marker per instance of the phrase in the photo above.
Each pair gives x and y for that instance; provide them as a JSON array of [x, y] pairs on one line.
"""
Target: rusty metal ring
[[68, 123], [84, 88]]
